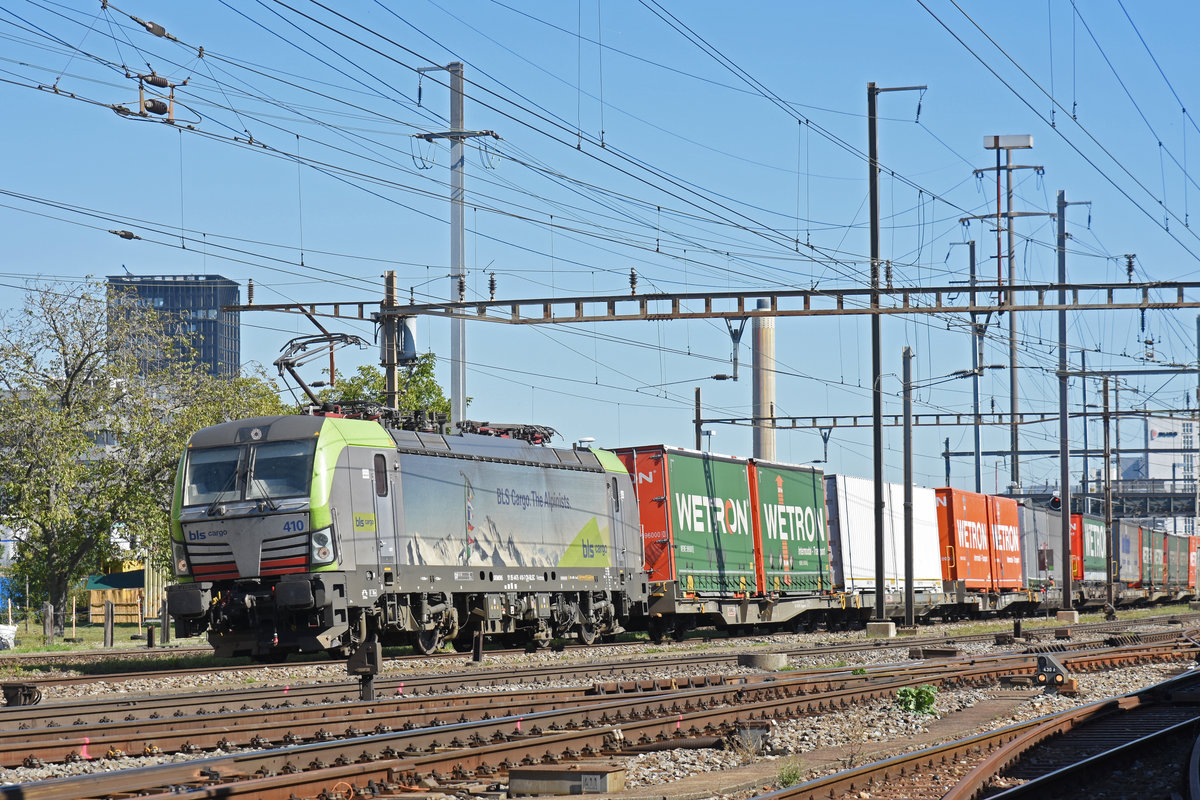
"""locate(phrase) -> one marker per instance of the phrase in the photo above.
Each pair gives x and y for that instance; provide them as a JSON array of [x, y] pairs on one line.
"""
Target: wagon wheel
[[428, 642], [586, 632]]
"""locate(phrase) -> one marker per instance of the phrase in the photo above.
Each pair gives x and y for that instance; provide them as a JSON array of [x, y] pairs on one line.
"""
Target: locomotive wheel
[[586, 632], [428, 642], [657, 629]]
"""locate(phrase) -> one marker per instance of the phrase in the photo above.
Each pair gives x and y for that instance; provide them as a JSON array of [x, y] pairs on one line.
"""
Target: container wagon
[[1088, 550], [980, 540], [1041, 546], [731, 542]]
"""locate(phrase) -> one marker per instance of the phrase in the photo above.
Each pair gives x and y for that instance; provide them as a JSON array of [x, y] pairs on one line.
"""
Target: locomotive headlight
[[322, 547], [179, 556]]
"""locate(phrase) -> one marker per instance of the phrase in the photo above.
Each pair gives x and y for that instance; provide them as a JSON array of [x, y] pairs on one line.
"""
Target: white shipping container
[[851, 512], [1129, 552], [1041, 546]]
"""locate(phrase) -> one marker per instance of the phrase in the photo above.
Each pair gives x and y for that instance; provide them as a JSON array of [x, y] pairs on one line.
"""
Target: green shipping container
[[1094, 550], [1153, 563], [795, 541], [711, 526]]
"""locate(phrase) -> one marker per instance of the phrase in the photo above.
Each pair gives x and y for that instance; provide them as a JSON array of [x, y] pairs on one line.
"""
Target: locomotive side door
[[387, 533]]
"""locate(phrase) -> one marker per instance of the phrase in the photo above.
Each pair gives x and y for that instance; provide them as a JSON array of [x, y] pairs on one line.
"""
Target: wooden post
[[48, 622], [165, 619], [108, 623]]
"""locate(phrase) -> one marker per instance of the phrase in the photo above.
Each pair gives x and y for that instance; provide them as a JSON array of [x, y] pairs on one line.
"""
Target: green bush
[[788, 774], [920, 699]]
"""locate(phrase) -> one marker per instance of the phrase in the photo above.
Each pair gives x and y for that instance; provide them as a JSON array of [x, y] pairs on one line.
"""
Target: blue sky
[[708, 150]]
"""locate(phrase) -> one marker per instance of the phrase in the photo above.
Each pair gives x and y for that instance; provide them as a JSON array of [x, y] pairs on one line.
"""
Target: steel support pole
[[1014, 429], [1108, 488], [976, 360], [388, 329], [699, 432], [458, 327], [1083, 386], [876, 366], [1064, 460], [909, 618]]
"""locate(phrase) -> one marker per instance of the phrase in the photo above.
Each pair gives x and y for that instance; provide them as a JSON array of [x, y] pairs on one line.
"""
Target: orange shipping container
[[649, 473], [1192, 540], [979, 539]]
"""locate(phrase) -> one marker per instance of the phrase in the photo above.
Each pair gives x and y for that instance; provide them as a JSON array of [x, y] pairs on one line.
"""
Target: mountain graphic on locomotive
[[319, 533]]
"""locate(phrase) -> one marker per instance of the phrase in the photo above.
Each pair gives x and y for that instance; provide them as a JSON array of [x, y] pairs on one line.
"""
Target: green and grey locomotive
[[311, 533]]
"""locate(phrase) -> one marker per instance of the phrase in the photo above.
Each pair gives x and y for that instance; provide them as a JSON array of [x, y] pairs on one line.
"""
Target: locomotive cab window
[[381, 478], [280, 469], [248, 472], [212, 476]]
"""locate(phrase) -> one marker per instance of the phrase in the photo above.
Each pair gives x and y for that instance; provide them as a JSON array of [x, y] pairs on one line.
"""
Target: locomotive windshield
[[248, 472]]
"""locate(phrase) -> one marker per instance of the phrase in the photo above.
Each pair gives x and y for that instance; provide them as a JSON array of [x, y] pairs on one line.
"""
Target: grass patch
[[788, 773]]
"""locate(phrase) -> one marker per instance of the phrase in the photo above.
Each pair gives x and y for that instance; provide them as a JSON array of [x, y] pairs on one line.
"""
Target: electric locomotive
[[311, 533]]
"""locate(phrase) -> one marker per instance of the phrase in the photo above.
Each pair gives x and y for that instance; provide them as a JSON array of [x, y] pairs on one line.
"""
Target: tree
[[98, 395], [419, 389]]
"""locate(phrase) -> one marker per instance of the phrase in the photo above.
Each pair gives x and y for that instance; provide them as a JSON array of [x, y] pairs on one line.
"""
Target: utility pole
[[1064, 453], [458, 276], [1083, 386], [1108, 512], [388, 330], [876, 367], [977, 331], [1008, 144], [909, 620], [1064, 465]]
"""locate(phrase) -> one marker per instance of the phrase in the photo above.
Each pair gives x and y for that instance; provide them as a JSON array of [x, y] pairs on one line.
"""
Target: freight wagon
[[1088, 550], [308, 533], [980, 540], [1041, 547], [851, 503], [731, 542]]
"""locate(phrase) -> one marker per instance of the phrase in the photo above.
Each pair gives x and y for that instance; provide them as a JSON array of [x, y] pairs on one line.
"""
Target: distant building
[[1168, 462], [196, 301]]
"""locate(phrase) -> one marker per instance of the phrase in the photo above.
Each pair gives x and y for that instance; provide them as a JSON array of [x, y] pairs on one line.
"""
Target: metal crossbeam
[[789, 303], [808, 421]]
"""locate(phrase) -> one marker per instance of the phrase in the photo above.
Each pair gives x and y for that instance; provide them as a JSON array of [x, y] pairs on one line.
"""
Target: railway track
[[1031, 632], [1094, 751], [445, 734]]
